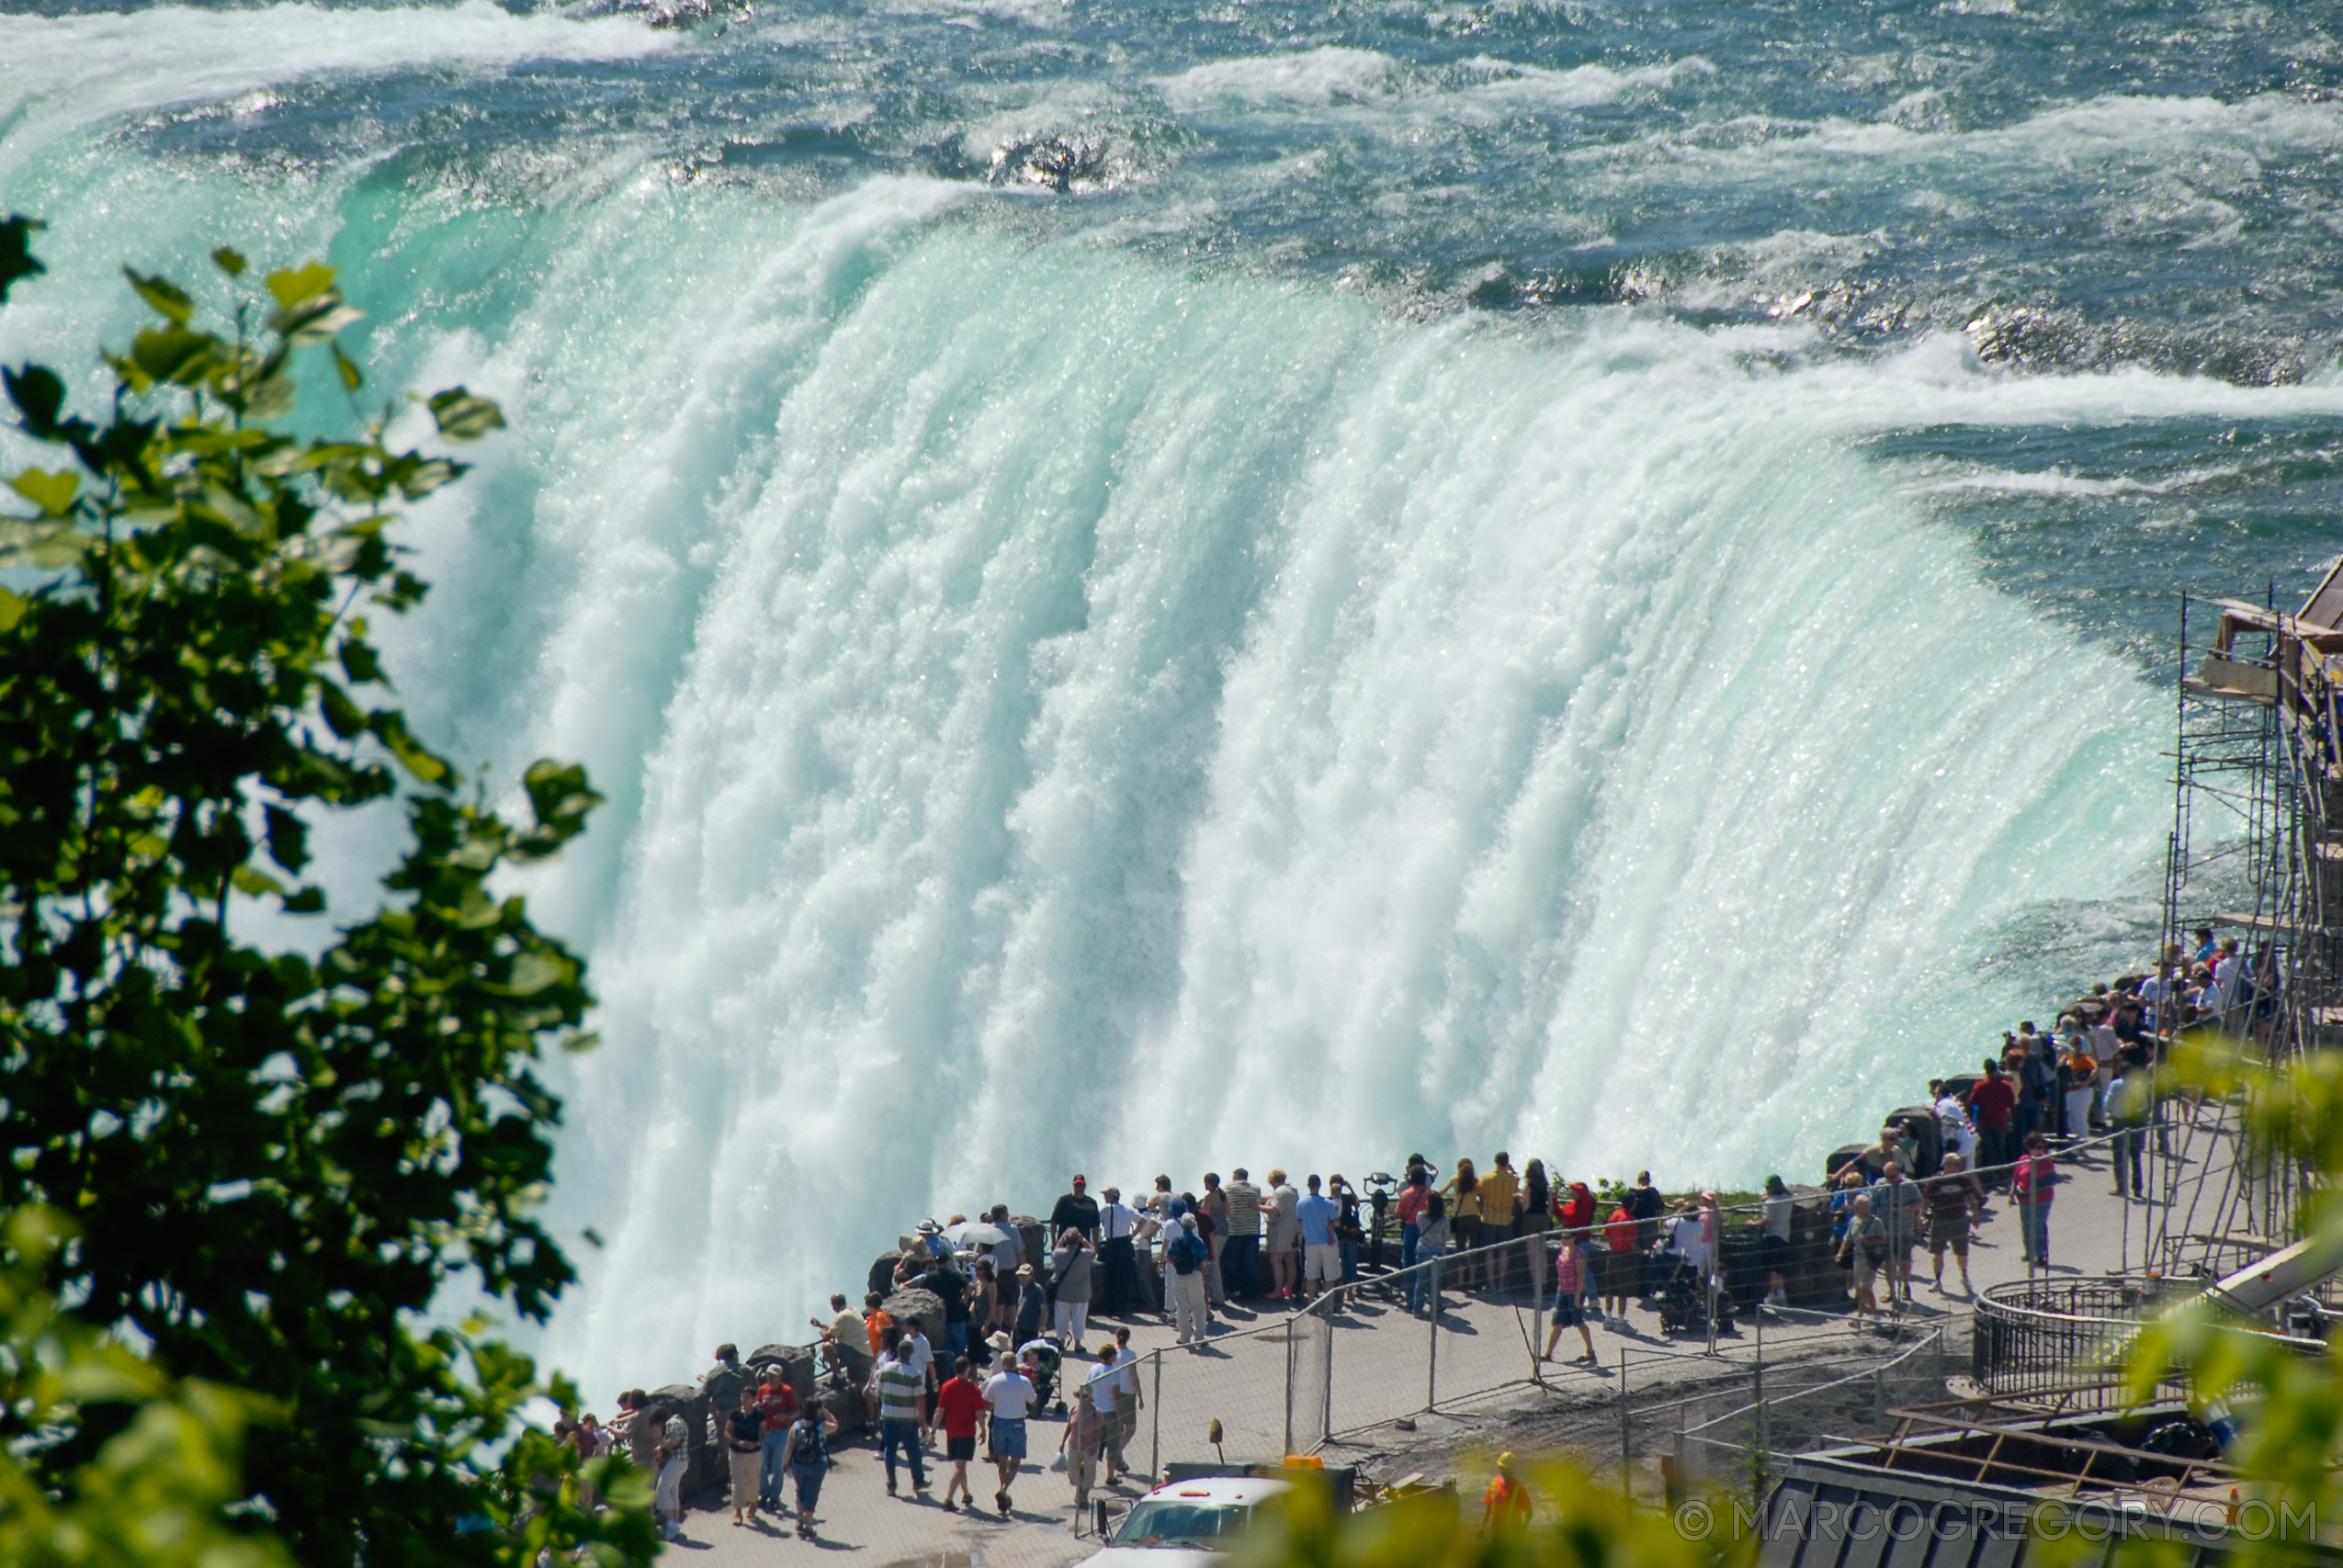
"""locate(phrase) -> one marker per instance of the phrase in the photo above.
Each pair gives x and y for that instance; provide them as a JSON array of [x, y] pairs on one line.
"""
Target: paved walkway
[[1381, 1364]]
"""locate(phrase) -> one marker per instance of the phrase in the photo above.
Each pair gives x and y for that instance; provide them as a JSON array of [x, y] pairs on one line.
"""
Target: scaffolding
[[2256, 852]]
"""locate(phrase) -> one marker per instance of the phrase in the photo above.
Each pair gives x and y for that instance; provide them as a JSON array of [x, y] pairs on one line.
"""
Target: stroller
[[1681, 1310], [1043, 1370]]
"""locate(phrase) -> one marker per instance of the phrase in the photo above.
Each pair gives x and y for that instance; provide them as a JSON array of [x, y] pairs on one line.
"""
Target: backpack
[[1187, 1254], [810, 1447]]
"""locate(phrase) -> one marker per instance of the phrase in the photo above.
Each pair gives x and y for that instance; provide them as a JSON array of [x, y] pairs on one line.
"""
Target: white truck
[[1186, 1524]]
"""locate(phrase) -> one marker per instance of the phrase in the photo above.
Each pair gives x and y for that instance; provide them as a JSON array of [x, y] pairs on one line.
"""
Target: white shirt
[[921, 1357], [1009, 1397], [1957, 1128], [1104, 1380], [1776, 1210], [1116, 1219]]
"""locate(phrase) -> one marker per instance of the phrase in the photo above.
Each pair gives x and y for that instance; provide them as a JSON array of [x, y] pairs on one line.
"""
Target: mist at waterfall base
[[1156, 588]]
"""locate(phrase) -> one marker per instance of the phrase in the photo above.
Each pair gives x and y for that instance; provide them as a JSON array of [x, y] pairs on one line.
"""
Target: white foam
[[95, 66], [1318, 76], [1579, 88]]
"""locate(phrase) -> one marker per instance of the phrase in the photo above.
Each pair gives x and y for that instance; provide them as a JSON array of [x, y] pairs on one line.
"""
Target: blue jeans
[[768, 1481], [1408, 1234], [956, 1340], [2125, 1156], [1424, 1285], [1237, 1254], [808, 1479], [1350, 1262], [2033, 1227], [906, 1435]]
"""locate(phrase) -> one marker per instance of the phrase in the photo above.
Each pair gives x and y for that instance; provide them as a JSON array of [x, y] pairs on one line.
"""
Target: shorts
[[1950, 1231], [1773, 1253], [1323, 1263], [1865, 1269], [960, 1447], [1569, 1314], [808, 1479], [1008, 1438]]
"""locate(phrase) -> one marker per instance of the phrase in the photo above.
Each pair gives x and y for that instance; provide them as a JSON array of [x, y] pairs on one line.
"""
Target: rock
[[706, 1472], [882, 1273], [925, 1308]]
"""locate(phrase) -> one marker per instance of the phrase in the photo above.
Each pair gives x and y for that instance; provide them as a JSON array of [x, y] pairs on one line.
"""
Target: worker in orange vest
[[1506, 1504]]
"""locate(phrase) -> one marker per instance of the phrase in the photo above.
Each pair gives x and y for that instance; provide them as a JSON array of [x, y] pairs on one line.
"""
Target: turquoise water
[[1159, 586]]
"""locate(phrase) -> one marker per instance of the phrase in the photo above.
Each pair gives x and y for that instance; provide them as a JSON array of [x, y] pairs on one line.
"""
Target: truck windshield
[[1182, 1524]]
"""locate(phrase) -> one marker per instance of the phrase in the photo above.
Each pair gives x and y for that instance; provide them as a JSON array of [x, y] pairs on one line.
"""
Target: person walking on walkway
[[1127, 1398], [778, 1401], [808, 1457], [745, 1451], [1183, 1258], [1955, 1199], [2124, 1114], [1239, 1260], [1008, 1395], [1069, 1281], [2030, 1186], [1086, 1431], [1899, 1207], [959, 1408], [1865, 1249], [902, 1387], [1103, 1385], [1117, 1224], [1569, 1280], [1993, 1105]]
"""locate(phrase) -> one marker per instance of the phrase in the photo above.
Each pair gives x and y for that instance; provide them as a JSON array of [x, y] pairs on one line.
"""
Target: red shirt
[[780, 1407], [1620, 1231], [959, 1404], [1411, 1203], [1990, 1102]]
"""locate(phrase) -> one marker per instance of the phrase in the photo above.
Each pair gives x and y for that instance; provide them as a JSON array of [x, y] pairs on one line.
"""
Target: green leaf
[[174, 354], [464, 417], [166, 296], [391, 730], [38, 395], [17, 261], [315, 322], [253, 880], [294, 288], [54, 494], [307, 901], [351, 380], [230, 261], [12, 609], [342, 716], [534, 971]]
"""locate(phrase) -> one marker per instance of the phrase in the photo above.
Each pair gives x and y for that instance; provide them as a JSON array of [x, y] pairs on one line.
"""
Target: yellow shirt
[[1497, 1191], [1463, 1205]]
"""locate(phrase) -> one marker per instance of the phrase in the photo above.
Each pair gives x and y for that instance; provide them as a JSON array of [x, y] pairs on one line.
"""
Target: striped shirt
[[1244, 1212], [899, 1386]]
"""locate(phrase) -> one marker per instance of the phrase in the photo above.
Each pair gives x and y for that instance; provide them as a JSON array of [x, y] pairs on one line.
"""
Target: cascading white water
[[1064, 708]]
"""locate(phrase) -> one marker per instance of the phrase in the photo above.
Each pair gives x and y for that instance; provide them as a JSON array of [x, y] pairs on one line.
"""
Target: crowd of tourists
[[1013, 1329]]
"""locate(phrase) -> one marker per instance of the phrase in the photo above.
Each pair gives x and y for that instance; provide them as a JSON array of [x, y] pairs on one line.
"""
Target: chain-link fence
[[1447, 1332]]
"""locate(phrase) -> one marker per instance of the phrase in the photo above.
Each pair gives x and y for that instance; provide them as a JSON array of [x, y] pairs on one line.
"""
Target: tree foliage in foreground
[[265, 1163]]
